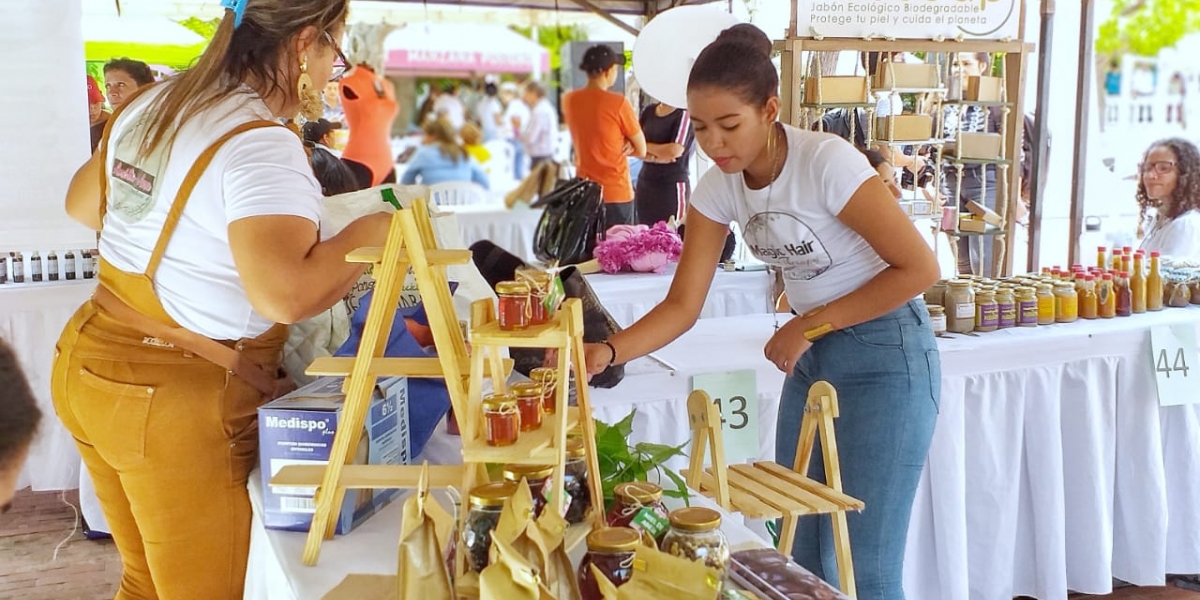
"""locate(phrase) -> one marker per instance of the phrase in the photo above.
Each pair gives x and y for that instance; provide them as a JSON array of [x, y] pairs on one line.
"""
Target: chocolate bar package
[[773, 576]]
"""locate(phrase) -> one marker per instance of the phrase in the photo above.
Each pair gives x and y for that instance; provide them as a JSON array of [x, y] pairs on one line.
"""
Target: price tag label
[[1176, 364], [651, 522], [736, 395]]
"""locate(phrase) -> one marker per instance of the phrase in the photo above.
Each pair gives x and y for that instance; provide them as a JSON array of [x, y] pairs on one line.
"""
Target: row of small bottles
[[966, 305], [13, 266]]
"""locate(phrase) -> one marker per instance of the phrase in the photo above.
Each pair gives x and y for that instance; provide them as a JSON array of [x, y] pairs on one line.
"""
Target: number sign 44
[[1173, 355]]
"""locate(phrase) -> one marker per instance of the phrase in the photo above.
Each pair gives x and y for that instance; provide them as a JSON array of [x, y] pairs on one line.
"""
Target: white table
[[32, 316], [509, 229], [629, 296]]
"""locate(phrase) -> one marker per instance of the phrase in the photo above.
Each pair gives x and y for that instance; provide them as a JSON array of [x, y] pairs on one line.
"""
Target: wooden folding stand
[[411, 243], [766, 490]]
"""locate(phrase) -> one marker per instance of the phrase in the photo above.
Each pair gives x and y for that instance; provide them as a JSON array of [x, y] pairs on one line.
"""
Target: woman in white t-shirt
[[810, 205], [1169, 183], [210, 237]]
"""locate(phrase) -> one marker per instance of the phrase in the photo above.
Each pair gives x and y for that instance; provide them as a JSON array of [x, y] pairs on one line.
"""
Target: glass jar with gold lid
[[501, 420], [575, 481], [638, 504], [486, 502], [960, 307], [696, 535], [514, 310], [529, 395], [548, 379], [611, 551], [539, 478]]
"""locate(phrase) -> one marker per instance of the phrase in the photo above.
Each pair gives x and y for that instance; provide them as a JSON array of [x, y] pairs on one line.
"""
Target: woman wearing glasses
[[1169, 183], [208, 212]]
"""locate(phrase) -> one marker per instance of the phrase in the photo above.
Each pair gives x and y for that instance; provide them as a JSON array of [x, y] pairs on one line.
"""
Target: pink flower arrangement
[[638, 248]]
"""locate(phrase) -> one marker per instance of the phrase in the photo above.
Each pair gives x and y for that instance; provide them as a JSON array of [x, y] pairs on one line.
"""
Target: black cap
[[315, 130], [600, 57]]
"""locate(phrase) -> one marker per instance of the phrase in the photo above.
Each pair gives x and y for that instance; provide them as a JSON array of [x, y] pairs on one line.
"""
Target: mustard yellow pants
[[169, 439]]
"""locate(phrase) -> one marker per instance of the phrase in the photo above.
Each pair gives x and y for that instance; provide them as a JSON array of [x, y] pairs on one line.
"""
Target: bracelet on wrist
[[612, 357]]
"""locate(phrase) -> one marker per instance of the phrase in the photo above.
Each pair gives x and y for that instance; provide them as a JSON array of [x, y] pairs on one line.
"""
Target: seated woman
[[441, 160], [472, 139], [1169, 183]]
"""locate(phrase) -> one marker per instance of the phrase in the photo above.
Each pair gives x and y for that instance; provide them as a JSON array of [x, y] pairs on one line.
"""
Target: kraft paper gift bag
[[510, 577], [424, 532], [608, 591], [558, 575], [660, 575], [514, 527]]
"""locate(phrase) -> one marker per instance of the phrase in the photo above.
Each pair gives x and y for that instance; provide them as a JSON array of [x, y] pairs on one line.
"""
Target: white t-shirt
[[541, 130], [259, 172], [1177, 238], [793, 224], [516, 109]]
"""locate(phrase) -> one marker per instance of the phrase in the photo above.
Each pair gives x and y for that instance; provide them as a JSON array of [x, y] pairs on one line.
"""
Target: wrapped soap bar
[[773, 576]]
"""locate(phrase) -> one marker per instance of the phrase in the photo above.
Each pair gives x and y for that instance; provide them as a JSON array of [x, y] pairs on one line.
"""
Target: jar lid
[[526, 389], [1044, 287], [515, 473], [641, 492], [498, 402], [985, 294], [935, 310], [512, 287], [695, 519], [543, 375], [959, 283], [535, 275], [575, 448], [492, 494], [614, 539]]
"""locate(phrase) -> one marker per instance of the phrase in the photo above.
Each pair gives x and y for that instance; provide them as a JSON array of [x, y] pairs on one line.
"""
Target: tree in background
[[1142, 28], [204, 28], [552, 38]]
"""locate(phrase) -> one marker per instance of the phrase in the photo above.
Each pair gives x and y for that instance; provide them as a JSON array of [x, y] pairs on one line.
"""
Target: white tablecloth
[[629, 296], [1052, 466], [32, 316], [510, 229]]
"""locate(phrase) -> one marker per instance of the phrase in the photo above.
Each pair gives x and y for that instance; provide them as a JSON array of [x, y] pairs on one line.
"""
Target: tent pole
[[1083, 102], [1041, 136], [607, 17]]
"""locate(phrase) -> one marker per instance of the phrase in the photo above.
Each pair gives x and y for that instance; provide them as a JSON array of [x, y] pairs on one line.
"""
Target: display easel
[[411, 243], [766, 490], [796, 111]]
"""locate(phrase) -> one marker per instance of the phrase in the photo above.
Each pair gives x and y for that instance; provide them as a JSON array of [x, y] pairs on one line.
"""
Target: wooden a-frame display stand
[[411, 243]]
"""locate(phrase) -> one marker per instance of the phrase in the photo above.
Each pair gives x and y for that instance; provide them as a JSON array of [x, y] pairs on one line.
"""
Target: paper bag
[[608, 591], [510, 577], [659, 575], [549, 535], [424, 532], [516, 521]]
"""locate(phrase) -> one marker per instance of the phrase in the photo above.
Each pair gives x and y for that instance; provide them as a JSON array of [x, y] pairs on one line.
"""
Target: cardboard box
[[298, 429], [904, 128], [834, 89], [902, 75], [988, 215], [971, 224], [979, 145], [983, 89]]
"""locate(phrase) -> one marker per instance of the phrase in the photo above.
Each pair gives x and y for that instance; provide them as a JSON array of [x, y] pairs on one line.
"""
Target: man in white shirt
[[516, 116], [450, 107], [489, 113], [540, 135]]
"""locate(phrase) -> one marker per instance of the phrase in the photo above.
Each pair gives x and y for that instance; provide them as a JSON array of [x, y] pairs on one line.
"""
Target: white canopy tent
[[462, 49]]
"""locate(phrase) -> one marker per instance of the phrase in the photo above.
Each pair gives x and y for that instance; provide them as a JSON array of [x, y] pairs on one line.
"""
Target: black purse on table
[[572, 223]]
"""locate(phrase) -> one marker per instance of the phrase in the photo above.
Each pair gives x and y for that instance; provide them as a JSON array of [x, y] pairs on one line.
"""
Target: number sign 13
[[1175, 362], [736, 395]]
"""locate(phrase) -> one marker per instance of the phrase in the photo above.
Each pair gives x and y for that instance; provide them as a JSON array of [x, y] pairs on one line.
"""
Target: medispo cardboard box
[[298, 429]]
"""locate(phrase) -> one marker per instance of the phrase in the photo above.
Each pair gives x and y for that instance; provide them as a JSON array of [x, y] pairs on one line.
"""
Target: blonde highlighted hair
[[441, 131], [251, 54]]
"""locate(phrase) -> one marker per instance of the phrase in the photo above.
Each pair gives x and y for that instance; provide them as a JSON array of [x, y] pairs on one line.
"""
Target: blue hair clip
[[239, 10]]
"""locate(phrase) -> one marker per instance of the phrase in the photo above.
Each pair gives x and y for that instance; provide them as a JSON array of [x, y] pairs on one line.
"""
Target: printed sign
[[1176, 364], [920, 19], [736, 394]]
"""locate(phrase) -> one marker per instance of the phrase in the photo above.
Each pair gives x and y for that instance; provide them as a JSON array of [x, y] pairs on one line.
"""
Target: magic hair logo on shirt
[[135, 177], [782, 240]]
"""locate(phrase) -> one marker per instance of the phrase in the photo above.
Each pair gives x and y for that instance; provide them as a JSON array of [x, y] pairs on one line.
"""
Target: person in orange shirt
[[605, 131]]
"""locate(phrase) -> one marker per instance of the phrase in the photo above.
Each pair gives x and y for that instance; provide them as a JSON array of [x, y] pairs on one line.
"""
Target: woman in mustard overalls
[[208, 213]]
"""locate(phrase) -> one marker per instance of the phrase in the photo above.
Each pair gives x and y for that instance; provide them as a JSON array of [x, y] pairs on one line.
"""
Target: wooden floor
[[90, 570]]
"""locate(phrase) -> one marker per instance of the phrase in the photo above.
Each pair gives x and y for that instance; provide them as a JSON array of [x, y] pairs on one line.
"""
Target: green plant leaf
[[625, 426], [660, 453], [681, 489]]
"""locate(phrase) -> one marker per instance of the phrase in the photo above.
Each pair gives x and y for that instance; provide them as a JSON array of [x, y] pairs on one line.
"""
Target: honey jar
[[514, 305], [529, 404], [501, 420]]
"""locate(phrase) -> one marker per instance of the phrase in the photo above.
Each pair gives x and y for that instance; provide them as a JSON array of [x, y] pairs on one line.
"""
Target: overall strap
[[189, 184]]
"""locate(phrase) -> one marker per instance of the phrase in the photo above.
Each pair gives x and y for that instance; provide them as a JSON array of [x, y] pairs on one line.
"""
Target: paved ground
[[89, 570]]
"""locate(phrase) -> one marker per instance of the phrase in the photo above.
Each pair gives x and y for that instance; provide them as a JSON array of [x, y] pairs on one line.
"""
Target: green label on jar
[[651, 522]]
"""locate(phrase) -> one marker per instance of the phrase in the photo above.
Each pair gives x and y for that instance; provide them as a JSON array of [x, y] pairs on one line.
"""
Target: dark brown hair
[[136, 69], [1186, 195], [19, 413], [250, 54], [738, 61]]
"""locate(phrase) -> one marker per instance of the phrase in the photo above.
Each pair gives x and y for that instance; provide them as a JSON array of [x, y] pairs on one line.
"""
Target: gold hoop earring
[[311, 107]]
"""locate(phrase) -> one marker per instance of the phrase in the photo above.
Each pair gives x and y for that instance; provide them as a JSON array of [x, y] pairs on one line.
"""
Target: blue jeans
[[887, 374], [519, 168]]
